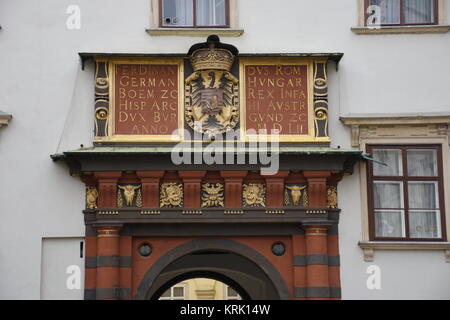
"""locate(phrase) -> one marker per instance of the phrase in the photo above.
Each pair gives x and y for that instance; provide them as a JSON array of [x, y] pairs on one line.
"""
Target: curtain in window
[[422, 162], [388, 223], [388, 194], [178, 12], [423, 223], [390, 10], [418, 11], [393, 160], [210, 12], [423, 195]]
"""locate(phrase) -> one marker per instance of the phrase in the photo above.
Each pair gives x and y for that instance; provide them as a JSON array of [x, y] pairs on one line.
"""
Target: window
[[405, 193], [194, 13], [177, 292], [401, 12], [231, 294]]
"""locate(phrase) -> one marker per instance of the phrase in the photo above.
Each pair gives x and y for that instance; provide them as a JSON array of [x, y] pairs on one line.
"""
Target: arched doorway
[[235, 264], [213, 286]]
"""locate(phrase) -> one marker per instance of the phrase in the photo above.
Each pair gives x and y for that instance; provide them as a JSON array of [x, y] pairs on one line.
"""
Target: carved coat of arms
[[212, 92]]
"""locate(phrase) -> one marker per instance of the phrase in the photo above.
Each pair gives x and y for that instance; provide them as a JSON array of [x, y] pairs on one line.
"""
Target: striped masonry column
[[90, 264], [316, 261], [299, 252], [334, 276], [126, 267], [108, 272]]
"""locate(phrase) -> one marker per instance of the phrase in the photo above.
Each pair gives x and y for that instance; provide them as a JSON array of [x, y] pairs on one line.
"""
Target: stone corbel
[[4, 119], [355, 135]]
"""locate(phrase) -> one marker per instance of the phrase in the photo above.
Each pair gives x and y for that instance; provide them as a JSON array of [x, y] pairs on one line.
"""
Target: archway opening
[[239, 277], [201, 286]]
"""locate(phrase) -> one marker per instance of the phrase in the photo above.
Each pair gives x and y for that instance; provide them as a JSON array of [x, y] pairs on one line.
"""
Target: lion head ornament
[[171, 195], [254, 195]]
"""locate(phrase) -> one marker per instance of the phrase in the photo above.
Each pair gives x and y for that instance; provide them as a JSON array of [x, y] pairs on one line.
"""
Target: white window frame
[[172, 297]]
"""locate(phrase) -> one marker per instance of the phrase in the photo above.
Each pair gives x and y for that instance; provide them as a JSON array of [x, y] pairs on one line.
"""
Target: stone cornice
[[401, 119], [366, 126]]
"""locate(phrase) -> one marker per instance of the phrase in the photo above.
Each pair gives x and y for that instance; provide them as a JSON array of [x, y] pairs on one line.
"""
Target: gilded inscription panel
[[146, 100], [277, 96]]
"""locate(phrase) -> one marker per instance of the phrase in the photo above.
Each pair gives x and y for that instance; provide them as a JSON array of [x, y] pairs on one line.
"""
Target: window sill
[[369, 247], [402, 29], [195, 32]]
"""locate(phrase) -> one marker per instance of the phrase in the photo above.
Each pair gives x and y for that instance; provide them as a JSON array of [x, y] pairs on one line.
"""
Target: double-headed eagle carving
[[212, 92]]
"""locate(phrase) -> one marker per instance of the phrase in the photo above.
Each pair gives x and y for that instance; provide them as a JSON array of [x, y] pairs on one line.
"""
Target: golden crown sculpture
[[212, 58]]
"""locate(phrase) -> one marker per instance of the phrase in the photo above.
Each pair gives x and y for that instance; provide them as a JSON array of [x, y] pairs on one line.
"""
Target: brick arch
[[213, 244]]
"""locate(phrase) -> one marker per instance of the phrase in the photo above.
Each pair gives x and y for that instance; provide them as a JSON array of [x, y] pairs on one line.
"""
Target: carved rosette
[[129, 196], [296, 195], [91, 197], [212, 195], [212, 91], [101, 99], [332, 197], [320, 99], [171, 195], [254, 195]]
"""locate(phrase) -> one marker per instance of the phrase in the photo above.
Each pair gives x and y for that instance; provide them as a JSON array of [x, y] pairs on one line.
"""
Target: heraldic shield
[[212, 92]]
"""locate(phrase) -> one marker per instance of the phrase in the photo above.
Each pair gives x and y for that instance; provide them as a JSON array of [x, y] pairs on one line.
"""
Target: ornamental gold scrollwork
[[320, 99], [101, 99], [91, 197], [101, 82], [296, 194], [254, 195], [332, 197], [129, 193], [101, 113], [212, 195], [171, 195]]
